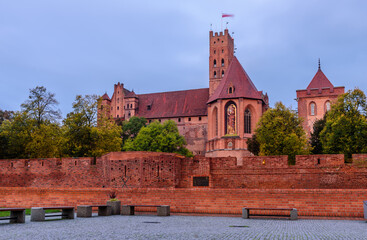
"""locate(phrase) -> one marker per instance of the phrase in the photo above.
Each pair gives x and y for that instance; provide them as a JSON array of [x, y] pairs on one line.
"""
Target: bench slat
[[272, 209]]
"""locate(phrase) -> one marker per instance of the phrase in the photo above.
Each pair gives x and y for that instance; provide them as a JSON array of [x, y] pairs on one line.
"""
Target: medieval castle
[[217, 121]]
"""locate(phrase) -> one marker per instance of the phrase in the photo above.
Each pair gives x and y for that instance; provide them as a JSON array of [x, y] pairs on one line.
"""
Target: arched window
[[215, 122], [230, 90], [222, 62], [231, 118], [312, 109], [247, 121], [327, 106], [215, 74], [215, 63], [222, 73]]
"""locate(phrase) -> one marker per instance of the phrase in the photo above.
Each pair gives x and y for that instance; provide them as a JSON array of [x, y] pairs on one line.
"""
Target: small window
[[150, 121], [149, 107], [159, 120], [118, 108], [222, 50], [222, 62], [101, 107], [118, 100], [215, 62], [215, 74], [199, 118], [312, 109], [327, 106], [214, 42], [222, 41], [131, 106], [118, 116], [215, 52], [129, 114], [230, 90], [111, 108], [222, 73], [189, 118], [179, 119]]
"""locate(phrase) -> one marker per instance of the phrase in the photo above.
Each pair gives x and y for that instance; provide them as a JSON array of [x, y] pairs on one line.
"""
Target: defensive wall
[[317, 185]]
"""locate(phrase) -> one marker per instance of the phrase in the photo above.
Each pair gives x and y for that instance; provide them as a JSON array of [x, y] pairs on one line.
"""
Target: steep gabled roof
[[320, 81], [106, 97], [237, 78], [174, 104]]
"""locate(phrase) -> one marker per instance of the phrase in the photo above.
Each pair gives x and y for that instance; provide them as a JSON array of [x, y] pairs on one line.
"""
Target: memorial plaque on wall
[[201, 181]]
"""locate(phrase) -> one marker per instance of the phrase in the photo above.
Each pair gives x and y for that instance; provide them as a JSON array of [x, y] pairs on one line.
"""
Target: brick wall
[[161, 170], [309, 202]]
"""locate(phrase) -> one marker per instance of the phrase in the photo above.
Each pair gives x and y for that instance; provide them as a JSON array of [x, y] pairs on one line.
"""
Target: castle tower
[[220, 56], [117, 101], [316, 99]]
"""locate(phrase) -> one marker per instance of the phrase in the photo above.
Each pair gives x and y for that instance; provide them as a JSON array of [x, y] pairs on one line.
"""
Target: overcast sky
[[84, 47]]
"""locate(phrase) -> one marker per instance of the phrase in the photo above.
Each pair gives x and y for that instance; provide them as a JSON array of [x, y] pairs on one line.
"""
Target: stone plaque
[[201, 181]]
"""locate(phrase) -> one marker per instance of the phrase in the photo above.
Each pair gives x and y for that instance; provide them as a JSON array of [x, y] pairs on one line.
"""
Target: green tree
[[280, 132], [316, 145], [15, 135], [253, 145], [158, 137], [345, 129], [131, 128], [83, 137], [5, 115], [41, 105]]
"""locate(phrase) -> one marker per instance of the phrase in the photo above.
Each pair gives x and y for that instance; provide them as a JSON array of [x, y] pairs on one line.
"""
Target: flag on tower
[[227, 15]]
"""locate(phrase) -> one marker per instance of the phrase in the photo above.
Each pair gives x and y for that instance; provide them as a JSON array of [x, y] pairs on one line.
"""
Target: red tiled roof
[[130, 94], [237, 78], [174, 104], [320, 81], [106, 97]]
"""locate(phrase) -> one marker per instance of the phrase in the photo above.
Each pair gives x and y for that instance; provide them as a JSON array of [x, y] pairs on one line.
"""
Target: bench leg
[[84, 211], [104, 211], [245, 213], [37, 214], [128, 210], [19, 215], [294, 214], [68, 213], [163, 210]]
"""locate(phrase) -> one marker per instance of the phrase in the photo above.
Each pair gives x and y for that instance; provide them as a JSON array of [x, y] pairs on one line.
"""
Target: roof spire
[[319, 64]]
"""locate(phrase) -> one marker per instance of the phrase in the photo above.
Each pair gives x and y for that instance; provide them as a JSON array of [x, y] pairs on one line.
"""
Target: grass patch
[[28, 212]]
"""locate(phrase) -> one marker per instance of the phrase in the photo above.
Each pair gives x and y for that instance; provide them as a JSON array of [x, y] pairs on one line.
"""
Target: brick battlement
[[165, 170]]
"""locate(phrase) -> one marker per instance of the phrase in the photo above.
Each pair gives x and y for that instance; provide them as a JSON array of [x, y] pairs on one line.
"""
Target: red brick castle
[[217, 121]]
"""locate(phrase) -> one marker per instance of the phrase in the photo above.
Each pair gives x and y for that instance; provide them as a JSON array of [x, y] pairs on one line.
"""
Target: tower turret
[[220, 56]]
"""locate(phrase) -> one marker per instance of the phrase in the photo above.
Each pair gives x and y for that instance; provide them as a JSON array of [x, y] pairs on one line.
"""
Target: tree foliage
[[345, 129], [131, 128], [83, 136], [253, 145], [280, 132], [41, 105], [5, 115], [316, 144], [157, 137]]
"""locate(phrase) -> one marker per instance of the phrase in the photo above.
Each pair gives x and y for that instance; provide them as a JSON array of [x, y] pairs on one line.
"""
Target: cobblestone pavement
[[184, 227]]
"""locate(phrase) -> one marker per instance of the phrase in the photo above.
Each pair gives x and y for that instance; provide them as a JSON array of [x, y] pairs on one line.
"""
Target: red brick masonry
[[318, 185]]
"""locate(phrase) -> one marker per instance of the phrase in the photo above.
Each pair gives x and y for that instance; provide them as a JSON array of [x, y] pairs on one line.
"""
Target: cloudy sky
[[85, 46]]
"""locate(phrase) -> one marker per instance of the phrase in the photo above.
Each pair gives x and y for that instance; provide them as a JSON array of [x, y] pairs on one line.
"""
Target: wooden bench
[[162, 210], [39, 214], [274, 212], [17, 215], [86, 210]]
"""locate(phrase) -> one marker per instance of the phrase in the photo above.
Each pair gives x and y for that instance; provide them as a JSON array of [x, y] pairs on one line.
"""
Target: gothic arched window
[[327, 106], [312, 109], [231, 118], [215, 74], [215, 121], [222, 62], [215, 63], [222, 73], [247, 121]]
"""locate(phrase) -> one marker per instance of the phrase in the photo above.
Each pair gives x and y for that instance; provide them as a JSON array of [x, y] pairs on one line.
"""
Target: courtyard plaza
[[185, 227]]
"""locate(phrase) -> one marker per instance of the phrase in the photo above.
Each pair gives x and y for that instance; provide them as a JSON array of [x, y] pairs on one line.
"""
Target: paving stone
[[184, 227]]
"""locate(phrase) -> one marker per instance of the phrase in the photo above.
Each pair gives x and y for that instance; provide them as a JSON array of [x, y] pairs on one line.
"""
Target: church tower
[[221, 54]]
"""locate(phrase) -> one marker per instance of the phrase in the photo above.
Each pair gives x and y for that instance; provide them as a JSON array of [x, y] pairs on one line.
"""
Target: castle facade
[[217, 121]]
